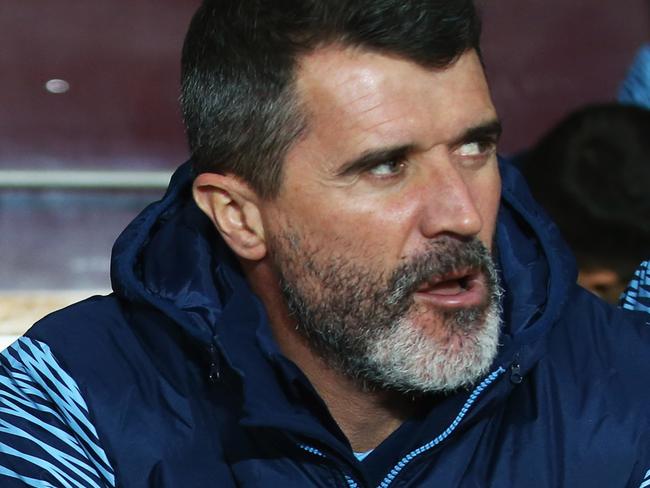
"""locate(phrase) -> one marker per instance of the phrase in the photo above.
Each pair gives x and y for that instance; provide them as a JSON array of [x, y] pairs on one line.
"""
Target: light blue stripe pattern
[[47, 438], [637, 295], [351, 482], [26, 480], [645, 483]]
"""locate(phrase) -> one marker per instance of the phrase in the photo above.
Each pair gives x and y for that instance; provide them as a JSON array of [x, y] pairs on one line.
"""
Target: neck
[[366, 417]]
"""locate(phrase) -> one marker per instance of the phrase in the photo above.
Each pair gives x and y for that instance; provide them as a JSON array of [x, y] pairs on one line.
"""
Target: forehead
[[356, 99]]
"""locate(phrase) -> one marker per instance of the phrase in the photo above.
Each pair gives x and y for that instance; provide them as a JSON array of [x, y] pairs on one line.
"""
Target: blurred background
[[90, 127]]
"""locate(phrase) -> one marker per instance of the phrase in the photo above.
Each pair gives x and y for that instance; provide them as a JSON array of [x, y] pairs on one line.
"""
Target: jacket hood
[[538, 270], [171, 258]]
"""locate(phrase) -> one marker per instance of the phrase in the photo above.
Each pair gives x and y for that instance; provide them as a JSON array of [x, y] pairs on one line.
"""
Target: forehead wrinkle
[[363, 118], [322, 77], [372, 132], [370, 111], [352, 106]]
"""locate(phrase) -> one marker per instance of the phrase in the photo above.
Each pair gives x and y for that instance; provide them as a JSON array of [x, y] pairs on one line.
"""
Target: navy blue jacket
[[174, 380]]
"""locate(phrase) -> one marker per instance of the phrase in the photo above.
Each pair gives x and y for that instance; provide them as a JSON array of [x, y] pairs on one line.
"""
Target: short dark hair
[[592, 174], [239, 59]]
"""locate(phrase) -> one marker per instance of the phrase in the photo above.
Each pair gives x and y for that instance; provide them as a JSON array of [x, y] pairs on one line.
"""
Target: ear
[[233, 208]]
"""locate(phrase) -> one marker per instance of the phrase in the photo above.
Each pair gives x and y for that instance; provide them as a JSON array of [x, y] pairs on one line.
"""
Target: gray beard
[[364, 325]]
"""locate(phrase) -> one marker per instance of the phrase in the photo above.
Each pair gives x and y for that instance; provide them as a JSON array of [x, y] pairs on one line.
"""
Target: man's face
[[382, 231]]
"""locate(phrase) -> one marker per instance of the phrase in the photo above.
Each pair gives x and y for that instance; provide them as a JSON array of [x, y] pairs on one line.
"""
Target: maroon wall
[[121, 59], [544, 57], [547, 57]]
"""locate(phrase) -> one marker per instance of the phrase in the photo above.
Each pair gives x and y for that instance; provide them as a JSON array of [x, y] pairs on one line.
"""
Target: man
[[368, 311]]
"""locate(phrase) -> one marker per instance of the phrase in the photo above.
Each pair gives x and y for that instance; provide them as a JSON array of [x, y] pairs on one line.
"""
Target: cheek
[[369, 229], [387, 221]]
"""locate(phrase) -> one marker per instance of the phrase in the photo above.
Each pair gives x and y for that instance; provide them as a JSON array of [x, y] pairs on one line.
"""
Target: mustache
[[442, 257]]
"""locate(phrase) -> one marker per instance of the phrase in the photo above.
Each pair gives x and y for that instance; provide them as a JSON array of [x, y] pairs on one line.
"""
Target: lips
[[460, 289]]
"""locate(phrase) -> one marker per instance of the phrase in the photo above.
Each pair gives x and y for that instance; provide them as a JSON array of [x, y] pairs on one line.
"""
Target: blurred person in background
[[592, 174], [635, 90]]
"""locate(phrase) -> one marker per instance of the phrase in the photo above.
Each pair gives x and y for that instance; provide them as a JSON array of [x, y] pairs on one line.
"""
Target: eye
[[387, 168], [477, 148]]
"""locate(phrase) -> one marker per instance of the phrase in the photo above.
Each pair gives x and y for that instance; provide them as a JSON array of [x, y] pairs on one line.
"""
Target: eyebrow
[[487, 131], [369, 159]]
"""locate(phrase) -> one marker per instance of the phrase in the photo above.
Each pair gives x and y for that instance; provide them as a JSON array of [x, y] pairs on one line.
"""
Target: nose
[[450, 203]]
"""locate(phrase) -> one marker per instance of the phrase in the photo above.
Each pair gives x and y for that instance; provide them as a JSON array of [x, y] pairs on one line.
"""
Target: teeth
[[448, 287], [461, 281]]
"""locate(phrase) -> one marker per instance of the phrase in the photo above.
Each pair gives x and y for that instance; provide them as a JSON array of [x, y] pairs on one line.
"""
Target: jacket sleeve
[[637, 295], [47, 438]]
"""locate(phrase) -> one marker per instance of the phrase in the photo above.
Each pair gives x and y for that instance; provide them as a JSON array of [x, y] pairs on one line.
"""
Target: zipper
[[390, 477], [316, 452], [214, 373], [515, 371]]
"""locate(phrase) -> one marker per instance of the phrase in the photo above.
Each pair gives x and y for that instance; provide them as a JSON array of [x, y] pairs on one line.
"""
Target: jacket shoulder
[[602, 346], [137, 389], [46, 432]]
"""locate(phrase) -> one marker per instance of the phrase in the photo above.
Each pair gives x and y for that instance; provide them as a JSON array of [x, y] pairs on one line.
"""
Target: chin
[[436, 354]]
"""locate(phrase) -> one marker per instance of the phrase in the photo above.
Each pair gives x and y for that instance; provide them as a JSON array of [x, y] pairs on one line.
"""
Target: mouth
[[459, 289]]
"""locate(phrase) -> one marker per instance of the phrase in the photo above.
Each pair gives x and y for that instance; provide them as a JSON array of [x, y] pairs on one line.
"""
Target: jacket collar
[[170, 258]]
